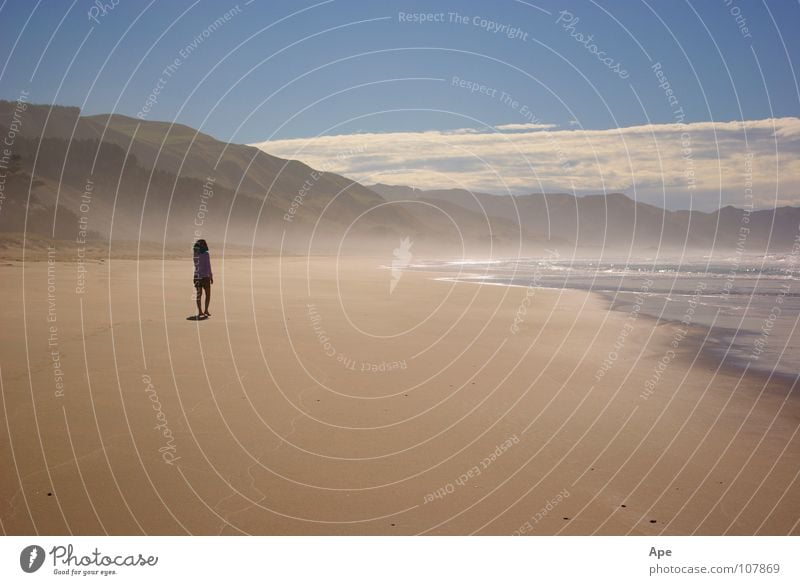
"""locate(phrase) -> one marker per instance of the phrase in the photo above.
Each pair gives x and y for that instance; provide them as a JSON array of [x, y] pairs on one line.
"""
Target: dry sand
[[418, 411]]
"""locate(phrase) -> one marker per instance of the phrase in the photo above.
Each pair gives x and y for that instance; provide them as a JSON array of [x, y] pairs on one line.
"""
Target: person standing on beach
[[203, 277]]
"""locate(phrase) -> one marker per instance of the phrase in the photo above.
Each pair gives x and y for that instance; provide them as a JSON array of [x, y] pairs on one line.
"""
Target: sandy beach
[[316, 401]]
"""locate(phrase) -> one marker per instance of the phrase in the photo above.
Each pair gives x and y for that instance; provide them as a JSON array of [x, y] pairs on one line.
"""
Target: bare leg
[[208, 299], [199, 310]]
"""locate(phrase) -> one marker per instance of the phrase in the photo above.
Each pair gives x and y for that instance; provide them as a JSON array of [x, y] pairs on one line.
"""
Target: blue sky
[[345, 67]]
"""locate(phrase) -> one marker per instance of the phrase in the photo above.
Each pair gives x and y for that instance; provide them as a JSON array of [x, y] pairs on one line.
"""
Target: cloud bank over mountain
[[700, 165]]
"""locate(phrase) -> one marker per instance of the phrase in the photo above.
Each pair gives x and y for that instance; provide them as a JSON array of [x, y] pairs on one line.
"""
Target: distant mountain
[[121, 178], [161, 182], [155, 181], [617, 222]]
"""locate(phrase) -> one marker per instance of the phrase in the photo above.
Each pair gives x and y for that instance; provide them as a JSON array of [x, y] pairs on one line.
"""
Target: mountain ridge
[[159, 181], [559, 214]]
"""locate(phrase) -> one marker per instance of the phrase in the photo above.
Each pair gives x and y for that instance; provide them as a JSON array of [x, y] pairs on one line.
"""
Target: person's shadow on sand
[[196, 318]]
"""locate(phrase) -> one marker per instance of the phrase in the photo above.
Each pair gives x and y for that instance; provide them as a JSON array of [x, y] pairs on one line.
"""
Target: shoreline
[[715, 354], [711, 355], [272, 431]]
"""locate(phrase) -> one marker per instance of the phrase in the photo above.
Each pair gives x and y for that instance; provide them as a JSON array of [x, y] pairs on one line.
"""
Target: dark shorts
[[202, 282]]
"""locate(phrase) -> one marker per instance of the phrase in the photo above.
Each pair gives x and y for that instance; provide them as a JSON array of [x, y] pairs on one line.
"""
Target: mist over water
[[750, 306]]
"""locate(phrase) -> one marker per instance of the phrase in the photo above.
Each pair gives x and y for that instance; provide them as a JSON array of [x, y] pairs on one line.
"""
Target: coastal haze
[[162, 182], [452, 293]]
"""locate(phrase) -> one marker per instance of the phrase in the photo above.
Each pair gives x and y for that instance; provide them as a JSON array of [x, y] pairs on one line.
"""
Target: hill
[[616, 222], [114, 177]]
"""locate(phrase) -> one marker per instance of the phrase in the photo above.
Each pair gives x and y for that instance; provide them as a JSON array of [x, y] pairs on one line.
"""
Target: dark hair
[[200, 246]]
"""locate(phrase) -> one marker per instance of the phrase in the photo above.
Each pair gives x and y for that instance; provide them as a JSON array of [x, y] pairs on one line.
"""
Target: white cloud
[[707, 164], [530, 126], [790, 128]]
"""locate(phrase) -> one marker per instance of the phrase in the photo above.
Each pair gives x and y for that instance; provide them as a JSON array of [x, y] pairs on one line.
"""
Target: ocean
[[749, 305]]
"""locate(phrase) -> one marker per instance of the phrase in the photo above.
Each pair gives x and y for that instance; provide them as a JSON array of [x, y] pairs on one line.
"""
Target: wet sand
[[316, 401]]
